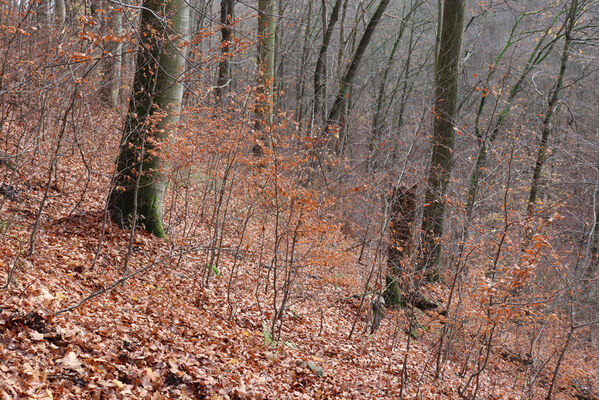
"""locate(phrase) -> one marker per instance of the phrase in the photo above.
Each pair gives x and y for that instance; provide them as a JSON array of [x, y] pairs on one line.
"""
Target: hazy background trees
[[358, 99]]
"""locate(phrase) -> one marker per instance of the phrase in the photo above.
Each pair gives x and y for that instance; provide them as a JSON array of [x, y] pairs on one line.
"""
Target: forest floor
[[167, 334]]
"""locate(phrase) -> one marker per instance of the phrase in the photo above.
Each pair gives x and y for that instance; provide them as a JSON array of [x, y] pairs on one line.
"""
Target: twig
[[125, 277], [12, 270]]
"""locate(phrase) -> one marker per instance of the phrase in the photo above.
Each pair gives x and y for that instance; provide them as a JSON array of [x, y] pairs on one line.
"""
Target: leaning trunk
[[378, 115], [486, 141], [300, 87], [350, 73], [551, 107], [321, 64]]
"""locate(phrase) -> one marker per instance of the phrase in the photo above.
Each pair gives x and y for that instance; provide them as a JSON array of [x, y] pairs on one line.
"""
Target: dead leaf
[[70, 361], [36, 336], [241, 391]]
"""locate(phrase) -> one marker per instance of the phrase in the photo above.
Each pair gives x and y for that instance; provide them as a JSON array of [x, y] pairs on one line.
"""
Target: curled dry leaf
[[36, 336], [70, 361]]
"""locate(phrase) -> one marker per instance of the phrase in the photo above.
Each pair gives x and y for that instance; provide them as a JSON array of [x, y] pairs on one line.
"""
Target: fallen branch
[[125, 277]]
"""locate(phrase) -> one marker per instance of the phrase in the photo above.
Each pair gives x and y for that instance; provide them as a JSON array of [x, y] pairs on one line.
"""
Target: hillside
[[335, 199], [169, 332]]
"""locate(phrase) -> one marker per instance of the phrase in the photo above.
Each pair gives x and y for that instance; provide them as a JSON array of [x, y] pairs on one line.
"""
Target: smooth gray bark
[[154, 110], [112, 61], [60, 13]]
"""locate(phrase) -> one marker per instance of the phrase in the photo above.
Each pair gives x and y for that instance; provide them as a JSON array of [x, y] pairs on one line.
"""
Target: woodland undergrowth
[[267, 283]]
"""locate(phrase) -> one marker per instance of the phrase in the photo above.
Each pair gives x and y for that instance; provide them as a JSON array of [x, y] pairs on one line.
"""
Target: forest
[[299, 199]]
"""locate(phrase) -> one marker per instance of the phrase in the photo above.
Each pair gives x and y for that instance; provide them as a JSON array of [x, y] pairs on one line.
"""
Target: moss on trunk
[[391, 293], [403, 212], [154, 110]]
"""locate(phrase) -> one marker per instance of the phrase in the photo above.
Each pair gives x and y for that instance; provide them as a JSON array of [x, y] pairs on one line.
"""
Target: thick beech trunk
[[153, 112]]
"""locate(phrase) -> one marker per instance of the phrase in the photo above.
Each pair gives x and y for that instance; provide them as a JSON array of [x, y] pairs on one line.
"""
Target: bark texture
[[446, 94], [153, 112], [403, 213], [265, 62], [350, 73], [226, 32], [320, 75]]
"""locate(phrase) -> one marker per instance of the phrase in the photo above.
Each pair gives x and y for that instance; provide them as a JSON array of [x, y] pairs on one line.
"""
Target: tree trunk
[[153, 112], [300, 87], [559, 362], [402, 207], [265, 62], [406, 91], [352, 68], [486, 141], [43, 12], [378, 115], [282, 57], [377, 118], [112, 61], [342, 41], [438, 31], [320, 74], [227, 17], [592, 258], [60, 13], [446, 94], [551, 107]]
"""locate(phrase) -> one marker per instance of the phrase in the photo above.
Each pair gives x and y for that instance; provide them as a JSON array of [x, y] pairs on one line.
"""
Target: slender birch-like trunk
[[446, 95]]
